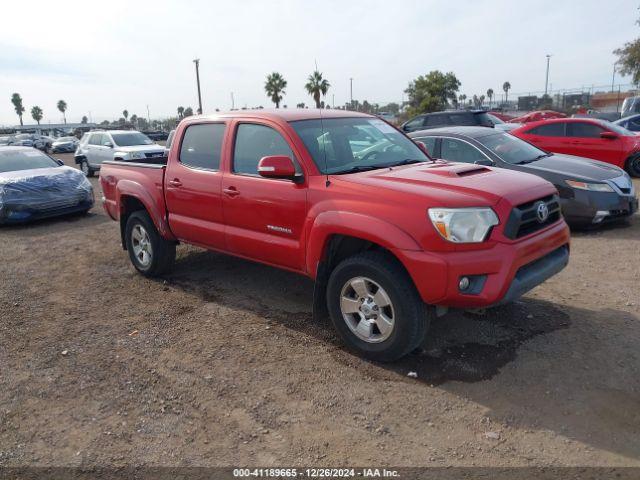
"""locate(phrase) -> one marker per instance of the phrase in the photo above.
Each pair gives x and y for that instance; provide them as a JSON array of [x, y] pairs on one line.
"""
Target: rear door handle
[[231, 191], [175, 182]]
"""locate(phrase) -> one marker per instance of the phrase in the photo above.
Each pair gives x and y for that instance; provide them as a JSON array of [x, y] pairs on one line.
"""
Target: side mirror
[[485, 161], [608, 135], [422, 146], [107, 144], [276, 166], [59, 162]]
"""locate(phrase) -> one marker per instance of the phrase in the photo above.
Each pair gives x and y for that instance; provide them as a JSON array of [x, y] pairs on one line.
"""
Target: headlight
[[594, 187], [463, 225], [136, 155]]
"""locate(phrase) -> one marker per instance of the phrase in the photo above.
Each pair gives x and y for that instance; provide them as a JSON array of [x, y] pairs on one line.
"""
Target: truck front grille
[[524, 218]]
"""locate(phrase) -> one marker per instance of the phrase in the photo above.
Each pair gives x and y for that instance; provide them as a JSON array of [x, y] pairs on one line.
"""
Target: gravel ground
[[220, 364]]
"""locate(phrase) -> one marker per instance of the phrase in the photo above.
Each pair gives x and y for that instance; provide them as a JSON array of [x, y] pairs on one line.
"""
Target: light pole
[[351, 91], [232, 101], [546, 83], [197, 62], [148, 117], [613, 77]]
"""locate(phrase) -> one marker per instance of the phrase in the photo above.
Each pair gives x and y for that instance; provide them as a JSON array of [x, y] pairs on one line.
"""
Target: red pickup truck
[[390, 236]]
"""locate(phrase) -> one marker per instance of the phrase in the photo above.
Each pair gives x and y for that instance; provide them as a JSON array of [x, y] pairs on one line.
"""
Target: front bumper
[[582, 209], [508, 269]]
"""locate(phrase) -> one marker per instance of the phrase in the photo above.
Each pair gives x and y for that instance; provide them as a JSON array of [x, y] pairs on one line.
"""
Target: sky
[[102, 58]]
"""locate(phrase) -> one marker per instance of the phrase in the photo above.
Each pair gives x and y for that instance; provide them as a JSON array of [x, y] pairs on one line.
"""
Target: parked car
[[501, 115], [156, 135], [630, 106], [33, 185], [591, 192], [6, 140], [126, 145], [390, 236], [447, 118], [34, 140], [537, 116], [501, 125], [631, 123], [64, 145], [586, 137]]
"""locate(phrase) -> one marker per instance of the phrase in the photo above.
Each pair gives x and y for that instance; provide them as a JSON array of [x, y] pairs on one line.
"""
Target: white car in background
[[125, 145]]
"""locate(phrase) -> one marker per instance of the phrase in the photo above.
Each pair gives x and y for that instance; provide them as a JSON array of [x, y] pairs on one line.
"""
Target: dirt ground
[[220, 364]]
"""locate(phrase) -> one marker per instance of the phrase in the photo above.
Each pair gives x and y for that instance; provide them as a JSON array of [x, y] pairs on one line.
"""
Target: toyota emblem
[[542, 212]]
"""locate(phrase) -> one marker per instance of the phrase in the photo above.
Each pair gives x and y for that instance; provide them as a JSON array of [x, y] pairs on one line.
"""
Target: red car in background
[[502, 116], [585, 137], [537, 116]]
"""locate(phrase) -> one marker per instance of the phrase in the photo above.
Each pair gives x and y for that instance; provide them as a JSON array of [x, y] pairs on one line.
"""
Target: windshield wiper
[[544, 155], [407, 161], [358, 168]]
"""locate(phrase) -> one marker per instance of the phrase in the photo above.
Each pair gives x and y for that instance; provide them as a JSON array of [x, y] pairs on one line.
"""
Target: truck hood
[[141, 148], [576, 168], [455, 184]]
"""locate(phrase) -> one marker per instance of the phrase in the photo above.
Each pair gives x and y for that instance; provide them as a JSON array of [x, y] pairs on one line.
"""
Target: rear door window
[[463, 119], [202, 146], [584, 130], [549, 130]]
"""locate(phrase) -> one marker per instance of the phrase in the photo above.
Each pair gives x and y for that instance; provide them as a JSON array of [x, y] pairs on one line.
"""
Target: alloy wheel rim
[[367, 310], [85, 168], [141, 244]]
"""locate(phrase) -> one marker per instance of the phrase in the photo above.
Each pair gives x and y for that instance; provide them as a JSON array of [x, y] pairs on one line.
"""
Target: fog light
[[464, 283], [600, 216]]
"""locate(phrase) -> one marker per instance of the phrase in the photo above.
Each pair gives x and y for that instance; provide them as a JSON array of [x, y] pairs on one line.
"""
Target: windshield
[[12, 161], [23, 136], [65, 139], [341, 145], [130, 139], [511, 149]]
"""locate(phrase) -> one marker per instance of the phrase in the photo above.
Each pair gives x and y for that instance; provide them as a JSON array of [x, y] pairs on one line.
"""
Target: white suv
[[125, 145]]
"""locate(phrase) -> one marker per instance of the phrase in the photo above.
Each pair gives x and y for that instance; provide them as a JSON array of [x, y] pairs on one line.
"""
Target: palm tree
[[462, 98], [180, 112], [62, 106], [317, 86], [481, 100], [134, 119], [490, 95], [86, 120], [36, 113], [125, 114], [274, 86], [16, 99], [188, 112], [506, 86]]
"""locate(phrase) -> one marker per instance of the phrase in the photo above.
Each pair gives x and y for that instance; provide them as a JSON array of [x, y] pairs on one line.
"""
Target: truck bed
[[143, 180]]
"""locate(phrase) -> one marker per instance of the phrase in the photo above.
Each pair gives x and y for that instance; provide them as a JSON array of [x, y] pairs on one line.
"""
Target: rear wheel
[[86, 169], [375, 307], [633, 166], [150, 254]]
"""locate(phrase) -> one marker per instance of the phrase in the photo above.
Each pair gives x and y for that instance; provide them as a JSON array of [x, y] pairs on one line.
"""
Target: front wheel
[[86, 169], [375, 307], [633, 166], [149, 253]]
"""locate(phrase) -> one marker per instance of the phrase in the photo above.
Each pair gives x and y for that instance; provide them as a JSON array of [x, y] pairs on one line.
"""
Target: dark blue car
[[33, 185], [632, 122]]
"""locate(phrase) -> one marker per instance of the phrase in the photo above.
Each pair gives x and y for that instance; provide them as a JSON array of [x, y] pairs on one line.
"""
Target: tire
[[633, 166], [149, 253], [86, 169], [364, 330]]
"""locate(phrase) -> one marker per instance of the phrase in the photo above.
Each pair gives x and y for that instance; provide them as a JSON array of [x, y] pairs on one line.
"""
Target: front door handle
[[231, 191], [175, 182]]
